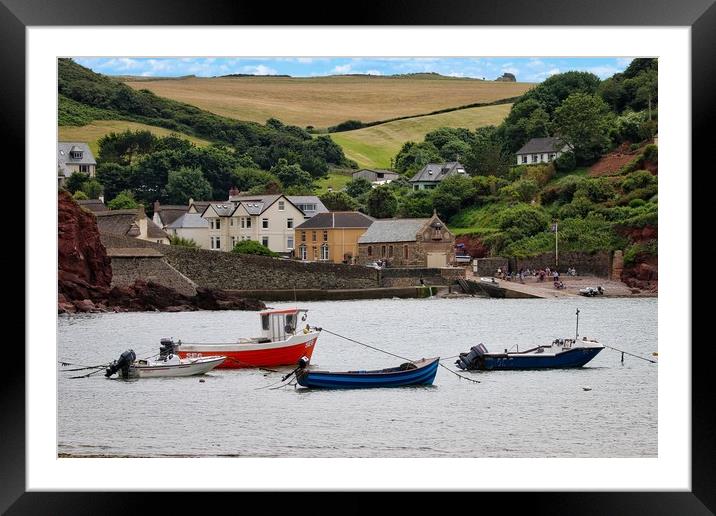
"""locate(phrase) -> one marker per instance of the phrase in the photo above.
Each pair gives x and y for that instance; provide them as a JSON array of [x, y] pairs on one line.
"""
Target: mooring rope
[[632, 354], [398, 356]]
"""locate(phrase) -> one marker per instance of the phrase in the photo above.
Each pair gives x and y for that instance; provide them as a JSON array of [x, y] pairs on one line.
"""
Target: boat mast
[[576, 331]]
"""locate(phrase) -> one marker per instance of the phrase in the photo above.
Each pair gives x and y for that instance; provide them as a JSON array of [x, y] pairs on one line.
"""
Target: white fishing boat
[[167, 365]]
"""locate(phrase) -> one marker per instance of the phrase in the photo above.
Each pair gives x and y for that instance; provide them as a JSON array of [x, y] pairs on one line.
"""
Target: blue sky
[[526, 69]]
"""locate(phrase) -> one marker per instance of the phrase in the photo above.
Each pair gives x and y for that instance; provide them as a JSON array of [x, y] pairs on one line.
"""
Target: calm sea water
[[509, 414]]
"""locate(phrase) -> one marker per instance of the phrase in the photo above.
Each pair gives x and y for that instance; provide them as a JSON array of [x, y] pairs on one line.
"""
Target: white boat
[[168, 365]]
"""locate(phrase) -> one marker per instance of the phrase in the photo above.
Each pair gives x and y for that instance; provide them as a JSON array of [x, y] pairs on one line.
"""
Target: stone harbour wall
[[126, 270]]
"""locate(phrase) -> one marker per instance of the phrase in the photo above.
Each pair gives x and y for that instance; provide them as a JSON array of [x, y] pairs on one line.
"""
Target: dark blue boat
[[561, 354], [419, 372]]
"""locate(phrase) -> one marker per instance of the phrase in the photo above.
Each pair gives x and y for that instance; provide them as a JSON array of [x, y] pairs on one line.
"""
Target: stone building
[[133, 223], [541, 150], [331, 236], [408, 243], [376, 176]]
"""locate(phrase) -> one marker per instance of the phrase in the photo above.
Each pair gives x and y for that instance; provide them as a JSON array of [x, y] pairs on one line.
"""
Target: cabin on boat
[[278, 325]]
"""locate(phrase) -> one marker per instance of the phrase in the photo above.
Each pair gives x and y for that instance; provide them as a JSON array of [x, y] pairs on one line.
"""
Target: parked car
[[374, 265]]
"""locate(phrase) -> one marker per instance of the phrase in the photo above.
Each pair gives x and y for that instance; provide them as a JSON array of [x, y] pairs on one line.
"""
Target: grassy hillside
[[91, 133], [375, 146], [326, 101]]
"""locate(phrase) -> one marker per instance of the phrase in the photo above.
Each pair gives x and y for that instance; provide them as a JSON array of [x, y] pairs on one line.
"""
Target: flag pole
[[556, 244]]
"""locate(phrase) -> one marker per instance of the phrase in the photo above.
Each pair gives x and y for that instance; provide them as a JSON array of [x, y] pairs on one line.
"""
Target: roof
[[308, 199], [338, 219], [392, 230], [64, 158], [539, 145], [223, 209], [170, 212], [434, 172], [375, 171], [117, 222], [189, 220], [200, 206], [93, 205], [131, 252], [154, 231]]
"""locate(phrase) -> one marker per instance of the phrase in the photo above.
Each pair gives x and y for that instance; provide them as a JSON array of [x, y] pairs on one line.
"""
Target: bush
[[635, 203], [566, 162], [252, 247], [638, 179], [348, 125], [523, 190], [541, 174], [595, 189], [522, 220], [79, 195], [638, 251], [651, 153], [183, 242], [123, 201]]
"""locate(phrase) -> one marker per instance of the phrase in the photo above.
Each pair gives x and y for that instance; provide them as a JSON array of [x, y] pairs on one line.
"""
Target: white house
[[191, 226], [431, 174], [541, 150], [74, 157], [268, 219]]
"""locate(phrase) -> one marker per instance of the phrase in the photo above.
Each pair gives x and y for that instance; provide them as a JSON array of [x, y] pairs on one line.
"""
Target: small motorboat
[[418, 372], [168, 364], [592, 291], [281, 343], [560, 354]]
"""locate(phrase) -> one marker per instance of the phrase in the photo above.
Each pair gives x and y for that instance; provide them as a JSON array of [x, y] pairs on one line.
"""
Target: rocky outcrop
[[507, 77], [85, 276]]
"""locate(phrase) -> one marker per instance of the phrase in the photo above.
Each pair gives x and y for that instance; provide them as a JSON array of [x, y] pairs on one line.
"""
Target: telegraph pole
[[555, 228]]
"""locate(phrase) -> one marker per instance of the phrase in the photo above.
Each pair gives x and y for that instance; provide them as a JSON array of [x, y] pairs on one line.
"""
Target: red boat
[[281, 343]]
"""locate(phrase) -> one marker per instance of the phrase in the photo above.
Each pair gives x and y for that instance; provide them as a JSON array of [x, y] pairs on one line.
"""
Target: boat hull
[[243, 355], [423, 375], [174, 370], [572, 358]]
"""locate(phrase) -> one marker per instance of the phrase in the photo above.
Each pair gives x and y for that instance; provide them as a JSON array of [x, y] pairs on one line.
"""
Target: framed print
[[221, 169]]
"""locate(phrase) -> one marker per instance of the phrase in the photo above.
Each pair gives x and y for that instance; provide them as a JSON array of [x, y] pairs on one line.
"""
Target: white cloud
[[342, 68], [305, 60], [455, 74], [259, 70], [624, 61], [510, 69], [535, 63], [603, 71]]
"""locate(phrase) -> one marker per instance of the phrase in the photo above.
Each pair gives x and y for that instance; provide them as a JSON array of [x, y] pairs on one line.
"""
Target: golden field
[[325, 101]]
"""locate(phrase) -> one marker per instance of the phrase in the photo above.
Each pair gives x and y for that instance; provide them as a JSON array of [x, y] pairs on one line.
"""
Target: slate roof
[[434, 172], [154, 231], [373, 173], [392, 230], [338, 219], [64, 158], [223, 209], [124, 223], [308, 199], [189, 220], [93, 205], [170, 212], [540, 145], [132, 252]]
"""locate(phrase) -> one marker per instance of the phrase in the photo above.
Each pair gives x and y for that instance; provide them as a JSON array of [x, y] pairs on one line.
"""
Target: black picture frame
[[700, 15]]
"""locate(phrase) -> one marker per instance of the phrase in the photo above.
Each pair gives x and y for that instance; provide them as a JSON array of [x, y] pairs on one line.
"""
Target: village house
[[133, 223], [93, 205], [310, 205], [191, 226], [431, 174], [408, 243], [268, 219], [375, 176], [331, 236], [541, 150], [74, 157]]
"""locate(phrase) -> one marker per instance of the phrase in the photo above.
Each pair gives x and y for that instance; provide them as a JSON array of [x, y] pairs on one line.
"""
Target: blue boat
[[419, 372], [561, 354]]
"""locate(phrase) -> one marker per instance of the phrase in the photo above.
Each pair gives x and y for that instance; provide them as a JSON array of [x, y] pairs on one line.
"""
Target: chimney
[[233, 191], [191, 201]]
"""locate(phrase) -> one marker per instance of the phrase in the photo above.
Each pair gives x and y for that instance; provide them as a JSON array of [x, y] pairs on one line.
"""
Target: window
[[303, 236], [324, 252], [313, 236], [552, 156], [212, 223], [248, 222], [535, 158], [265, 322], [524, 159], [405, 252], [243, 222], [216, 242], [232, 221], [233, 242], [217, 224], [390, 251], [382, 251], [289, 223], [315, 253], [302, 252], [380, 175], [370, 250], [84, 168], [76, 154], [264, 241], [281, 205], [289, 242], [325, 236], [264, 223]]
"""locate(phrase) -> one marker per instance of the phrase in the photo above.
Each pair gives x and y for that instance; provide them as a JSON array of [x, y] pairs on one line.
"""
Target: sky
[[526, 69]]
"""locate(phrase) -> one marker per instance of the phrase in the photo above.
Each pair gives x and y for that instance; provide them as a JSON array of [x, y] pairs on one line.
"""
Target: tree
[[417, 204], [92, 188], [291, 175], [582, 121], [79, 195], [414, 156], [358, 187], [115, 178], [123, 201], [187, 183], [252, 247], [124, 147], [338, 201], [488, 154], [75, 181], [382, 203], [447, 204], [523, 190], [183, 242]]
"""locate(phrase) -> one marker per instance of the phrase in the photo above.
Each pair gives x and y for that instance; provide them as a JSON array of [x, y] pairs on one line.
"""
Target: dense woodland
[[502, 207]]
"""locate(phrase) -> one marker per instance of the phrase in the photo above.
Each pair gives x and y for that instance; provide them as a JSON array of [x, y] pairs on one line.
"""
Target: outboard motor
[[468, 361], [303, 362], [122, 363], [167, 347]]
